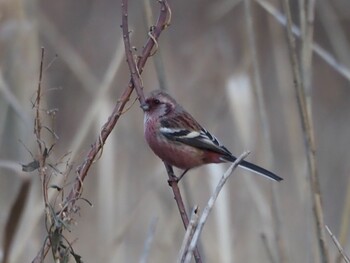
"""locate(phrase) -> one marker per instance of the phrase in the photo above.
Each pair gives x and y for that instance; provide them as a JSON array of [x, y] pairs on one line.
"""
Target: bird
[[179, 140]]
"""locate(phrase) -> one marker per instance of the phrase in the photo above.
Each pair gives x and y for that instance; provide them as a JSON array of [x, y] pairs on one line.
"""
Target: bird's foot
[[173, 179]]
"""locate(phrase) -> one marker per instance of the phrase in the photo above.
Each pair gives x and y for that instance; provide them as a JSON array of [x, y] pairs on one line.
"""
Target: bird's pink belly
[[174, 153], [185, 158], [178, 154]]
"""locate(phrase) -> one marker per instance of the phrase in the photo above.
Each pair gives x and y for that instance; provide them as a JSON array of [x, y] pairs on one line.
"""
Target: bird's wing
[[201, 139], [196, 136]]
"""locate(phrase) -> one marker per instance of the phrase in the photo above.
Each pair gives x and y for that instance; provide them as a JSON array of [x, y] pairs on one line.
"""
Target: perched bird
[[180, 141]]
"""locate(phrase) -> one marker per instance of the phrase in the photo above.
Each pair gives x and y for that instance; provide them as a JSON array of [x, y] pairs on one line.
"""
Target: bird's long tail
[[259, 170], [254, 168]]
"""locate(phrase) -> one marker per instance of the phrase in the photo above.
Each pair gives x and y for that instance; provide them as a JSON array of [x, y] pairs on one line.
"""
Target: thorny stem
[[173, 182], [107, 128]]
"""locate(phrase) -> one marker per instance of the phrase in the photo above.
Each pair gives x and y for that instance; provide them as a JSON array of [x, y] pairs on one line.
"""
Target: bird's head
[[158, 104]]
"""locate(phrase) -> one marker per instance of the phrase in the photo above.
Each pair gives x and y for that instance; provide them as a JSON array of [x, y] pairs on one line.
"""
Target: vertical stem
[[264, 122], [180, 204], [304, 105]]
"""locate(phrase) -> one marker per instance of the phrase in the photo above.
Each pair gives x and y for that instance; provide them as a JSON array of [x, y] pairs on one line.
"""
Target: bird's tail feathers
[[259, 170], [253, 168]]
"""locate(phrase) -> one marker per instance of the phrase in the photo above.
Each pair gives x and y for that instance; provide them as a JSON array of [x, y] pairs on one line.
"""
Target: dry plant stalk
[[189, 234], [326, 56], [173, 183], [210, 205], [136, 80], [55, 221], [68, 205], [264, 123], [304, 106], [337, 244]]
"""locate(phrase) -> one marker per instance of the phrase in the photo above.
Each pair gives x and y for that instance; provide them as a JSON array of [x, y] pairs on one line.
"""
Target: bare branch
[[210, 205], [304, 105], [136, 70], [173, 182], [189, 234], [107, 128], [321, 52], [339, 247]]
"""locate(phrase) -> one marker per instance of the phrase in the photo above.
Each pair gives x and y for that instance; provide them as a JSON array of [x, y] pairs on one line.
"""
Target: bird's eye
[[156, 101]]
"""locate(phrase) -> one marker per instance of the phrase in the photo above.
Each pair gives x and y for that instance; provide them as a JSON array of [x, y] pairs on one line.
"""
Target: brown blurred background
[[208, 66]]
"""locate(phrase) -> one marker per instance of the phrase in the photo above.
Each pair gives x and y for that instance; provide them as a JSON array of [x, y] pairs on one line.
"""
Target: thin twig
[[210, 205], [136, 80], [37, 127], [42, 155], [264, 123], [189, 234], [83, 129], [345, 219], [158, 60], [306, 48], [337, 244], [41, 145], [181, 206], [109, 125], [307, 127], [134, 71], [324, 54], [337, 36]]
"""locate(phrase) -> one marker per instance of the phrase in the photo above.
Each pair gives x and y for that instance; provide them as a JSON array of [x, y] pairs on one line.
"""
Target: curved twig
[[210, 205], [107, 128], [173, 183]]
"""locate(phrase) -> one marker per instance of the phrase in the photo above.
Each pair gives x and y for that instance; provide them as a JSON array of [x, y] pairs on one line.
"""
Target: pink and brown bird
[[180, 141]]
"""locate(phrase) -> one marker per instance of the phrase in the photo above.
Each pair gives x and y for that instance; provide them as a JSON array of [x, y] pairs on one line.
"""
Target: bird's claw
[[173, 179]]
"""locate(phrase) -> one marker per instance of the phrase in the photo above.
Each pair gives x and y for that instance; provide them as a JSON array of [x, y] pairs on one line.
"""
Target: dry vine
[[68, 206], [136, 80]]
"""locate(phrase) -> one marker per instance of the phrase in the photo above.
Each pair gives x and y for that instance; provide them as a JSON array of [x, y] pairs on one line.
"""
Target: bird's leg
[[172, 176], [182, 175], [176, 179]]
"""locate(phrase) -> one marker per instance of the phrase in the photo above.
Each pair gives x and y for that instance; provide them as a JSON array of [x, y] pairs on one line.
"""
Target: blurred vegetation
[[210, 68]]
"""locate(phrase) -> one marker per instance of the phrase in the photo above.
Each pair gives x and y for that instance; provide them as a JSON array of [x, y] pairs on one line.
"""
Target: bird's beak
[[144, 106]]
